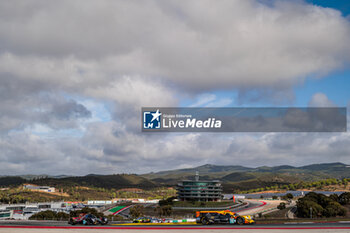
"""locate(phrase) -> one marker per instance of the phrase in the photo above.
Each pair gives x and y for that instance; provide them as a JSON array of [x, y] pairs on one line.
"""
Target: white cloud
[[199, 45], [130, 54], [204, 99], [211, 100], [320, 100]]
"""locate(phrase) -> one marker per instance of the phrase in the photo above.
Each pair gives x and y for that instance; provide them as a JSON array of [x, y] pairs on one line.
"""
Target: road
[[57, 227], [252, 207], [250, 204], [172, 231], [256, 206], [64, 224]]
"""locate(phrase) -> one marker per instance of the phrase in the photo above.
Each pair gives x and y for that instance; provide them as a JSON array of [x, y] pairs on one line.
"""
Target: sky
[[75, 74]]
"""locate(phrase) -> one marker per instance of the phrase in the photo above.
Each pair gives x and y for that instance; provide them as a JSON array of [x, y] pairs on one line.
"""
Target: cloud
[[58, 57], [200, 46], [53, 111], [102, 151], [204, 99], [320, 100], [211, 100]]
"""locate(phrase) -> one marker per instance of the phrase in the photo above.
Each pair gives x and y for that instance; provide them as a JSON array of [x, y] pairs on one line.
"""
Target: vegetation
[[343, 199], [288, 196], [49, 215], [137, 211], [168, 201], [202, 204], [281, 206], [156, 193], [244, 179], [85, 193], [319, 205], [86, 210], [19, 195], [78, 193], [117, 181], [315, 185], [165, 210], [11, 181], [236, 179]]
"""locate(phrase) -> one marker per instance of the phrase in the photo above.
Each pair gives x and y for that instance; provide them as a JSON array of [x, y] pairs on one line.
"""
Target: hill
[[245, 178], [233, 177], [118, 181], [207, 171]]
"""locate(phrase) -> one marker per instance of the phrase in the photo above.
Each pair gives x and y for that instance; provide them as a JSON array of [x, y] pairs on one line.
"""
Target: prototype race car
[[87, 219], [222, 217]]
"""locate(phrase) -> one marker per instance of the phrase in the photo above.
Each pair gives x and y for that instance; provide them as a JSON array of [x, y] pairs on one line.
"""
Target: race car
[[222, 217], [87, 219], [142, 220]]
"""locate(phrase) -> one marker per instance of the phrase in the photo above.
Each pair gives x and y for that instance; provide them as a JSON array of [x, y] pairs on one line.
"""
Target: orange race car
[[221, 217]]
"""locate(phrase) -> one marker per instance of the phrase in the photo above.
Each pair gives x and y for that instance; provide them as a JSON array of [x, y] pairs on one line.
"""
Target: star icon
[[156, 115]]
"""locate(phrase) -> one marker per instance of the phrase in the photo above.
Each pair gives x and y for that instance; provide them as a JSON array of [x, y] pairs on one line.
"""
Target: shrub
[[86, 210], [281, 206], [51, 215], [137, 211], [344, 198]]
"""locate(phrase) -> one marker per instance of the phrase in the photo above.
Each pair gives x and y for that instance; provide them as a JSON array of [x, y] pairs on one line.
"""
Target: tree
[[168, 201], [344, 198], [167, 210], [137, 211], [86, 210], [289, 196], [334, 209], [322, 206], [304, 208], [48, 214], [274, 197], [163, 210], [291, 187], [281, 206], [334, 197]]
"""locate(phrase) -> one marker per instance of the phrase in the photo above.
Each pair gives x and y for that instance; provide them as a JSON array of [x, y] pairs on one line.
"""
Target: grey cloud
[[158, 152], [135, 54], [198, 46], [70, 109], [24, 106], [278, 96]]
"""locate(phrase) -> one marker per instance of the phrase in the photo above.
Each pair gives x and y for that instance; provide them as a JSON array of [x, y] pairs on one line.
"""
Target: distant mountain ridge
[[117, 181], [233, 177], [244, 178], [218, 170]]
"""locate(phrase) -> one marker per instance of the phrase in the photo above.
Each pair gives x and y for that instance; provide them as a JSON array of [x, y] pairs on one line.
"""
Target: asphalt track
[[250, 205], [15, 226], [63, 225], [55, 227]]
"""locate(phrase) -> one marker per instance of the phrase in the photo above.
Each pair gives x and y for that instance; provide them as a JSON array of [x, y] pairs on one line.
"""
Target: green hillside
[[233, 177], [118, 181], [245, 178], [208, 170]]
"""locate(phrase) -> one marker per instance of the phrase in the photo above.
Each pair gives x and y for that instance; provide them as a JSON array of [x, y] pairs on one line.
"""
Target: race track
[[49, 226]]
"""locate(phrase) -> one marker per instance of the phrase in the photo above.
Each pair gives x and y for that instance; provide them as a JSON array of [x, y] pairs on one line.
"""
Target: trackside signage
[[157, 119], [160, 119]]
